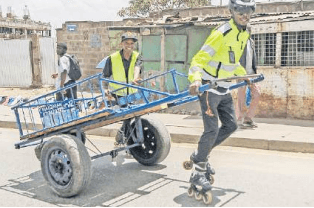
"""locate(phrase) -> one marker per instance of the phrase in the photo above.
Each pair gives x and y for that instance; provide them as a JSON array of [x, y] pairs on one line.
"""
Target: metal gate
[[15, 63], [16, 69], [48, 60]]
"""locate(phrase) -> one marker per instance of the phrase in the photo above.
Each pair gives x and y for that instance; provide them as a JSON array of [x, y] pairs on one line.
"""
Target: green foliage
[[142, 8]]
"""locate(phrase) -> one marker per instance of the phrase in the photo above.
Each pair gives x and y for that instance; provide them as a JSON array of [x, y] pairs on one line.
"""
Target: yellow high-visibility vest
[[119, 75], [219, 57]]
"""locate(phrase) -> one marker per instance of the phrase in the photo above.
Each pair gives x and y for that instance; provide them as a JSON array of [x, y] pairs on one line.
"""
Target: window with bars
[[297, 48], [265, 48]]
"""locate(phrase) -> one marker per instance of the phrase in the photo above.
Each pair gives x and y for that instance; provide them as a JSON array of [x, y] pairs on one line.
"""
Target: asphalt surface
[[244, 178]]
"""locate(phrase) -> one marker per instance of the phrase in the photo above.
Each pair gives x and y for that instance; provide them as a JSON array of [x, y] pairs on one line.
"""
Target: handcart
[[57, 128]]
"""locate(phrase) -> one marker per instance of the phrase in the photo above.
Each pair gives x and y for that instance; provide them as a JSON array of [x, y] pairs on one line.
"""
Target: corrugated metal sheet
[[15, 63], [48, 60]]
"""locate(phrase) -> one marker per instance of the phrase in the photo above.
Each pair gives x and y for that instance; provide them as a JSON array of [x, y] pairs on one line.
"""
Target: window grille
[[265, 48], [297, 48]]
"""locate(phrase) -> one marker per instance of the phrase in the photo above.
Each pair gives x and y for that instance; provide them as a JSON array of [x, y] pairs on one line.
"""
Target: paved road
[[245, 177]]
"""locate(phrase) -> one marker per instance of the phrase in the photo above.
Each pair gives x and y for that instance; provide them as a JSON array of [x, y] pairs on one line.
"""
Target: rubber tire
[[153, 126], [83, 136], [79, 159], [39, 147]]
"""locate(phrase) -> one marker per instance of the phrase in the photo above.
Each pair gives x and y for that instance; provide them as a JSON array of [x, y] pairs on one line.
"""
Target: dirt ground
[[25, 92]]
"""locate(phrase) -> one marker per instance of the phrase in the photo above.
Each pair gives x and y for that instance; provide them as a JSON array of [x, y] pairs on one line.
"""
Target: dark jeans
[[222, 108], [68, 93]]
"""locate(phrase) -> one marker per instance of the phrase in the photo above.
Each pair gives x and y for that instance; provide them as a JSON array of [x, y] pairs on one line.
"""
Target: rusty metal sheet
[[15, 63], [48, 60]]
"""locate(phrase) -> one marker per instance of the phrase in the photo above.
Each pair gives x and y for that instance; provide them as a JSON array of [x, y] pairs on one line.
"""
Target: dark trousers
[[221, 108], [69, 92]]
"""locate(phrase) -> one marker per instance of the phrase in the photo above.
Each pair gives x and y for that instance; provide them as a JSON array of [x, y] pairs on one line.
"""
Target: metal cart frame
[[57, 127]]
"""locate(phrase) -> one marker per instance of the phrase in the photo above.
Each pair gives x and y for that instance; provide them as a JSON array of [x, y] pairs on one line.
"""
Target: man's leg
[[228, 119], [122, 132], [240, 108], [201, 175], [59, 96], [255, 90], [207, 140], [71, 92]]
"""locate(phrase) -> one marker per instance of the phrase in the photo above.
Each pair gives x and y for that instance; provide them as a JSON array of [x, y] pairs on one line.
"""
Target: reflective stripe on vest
[[208, 50], [225, 67], [221, 52], [119, 75]]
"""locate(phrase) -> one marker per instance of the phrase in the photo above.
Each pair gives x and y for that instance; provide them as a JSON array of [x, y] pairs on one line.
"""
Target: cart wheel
[[187, 165], [156, 144], [83, 136], [66, 165], [38, 149]]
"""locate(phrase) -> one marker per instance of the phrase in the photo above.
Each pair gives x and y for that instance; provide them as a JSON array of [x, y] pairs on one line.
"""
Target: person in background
[[62, 77], [248, 61], [123, 66]]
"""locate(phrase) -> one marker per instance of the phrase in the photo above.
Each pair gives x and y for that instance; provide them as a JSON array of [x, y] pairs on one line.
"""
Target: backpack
[[75, 72]]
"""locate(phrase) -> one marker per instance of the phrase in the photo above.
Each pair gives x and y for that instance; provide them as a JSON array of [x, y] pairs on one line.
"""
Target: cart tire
[[83, 136], [66, 165], [156, 144], [38, 149]]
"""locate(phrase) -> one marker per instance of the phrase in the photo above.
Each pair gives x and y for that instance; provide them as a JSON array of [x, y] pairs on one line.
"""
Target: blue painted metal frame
[[47, 108]]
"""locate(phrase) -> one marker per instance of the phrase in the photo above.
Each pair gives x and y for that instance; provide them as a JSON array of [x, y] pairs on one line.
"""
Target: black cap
[[63, 45], [128, 35]]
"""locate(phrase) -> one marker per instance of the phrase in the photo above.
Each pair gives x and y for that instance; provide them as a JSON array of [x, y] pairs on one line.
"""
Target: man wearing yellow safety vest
[[124, 66], [218, 58]]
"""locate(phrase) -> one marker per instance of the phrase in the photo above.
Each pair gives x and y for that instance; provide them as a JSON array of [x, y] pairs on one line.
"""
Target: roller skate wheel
[[187, 165], [208, 197], [212, 179], [190, 192], [198, 195]]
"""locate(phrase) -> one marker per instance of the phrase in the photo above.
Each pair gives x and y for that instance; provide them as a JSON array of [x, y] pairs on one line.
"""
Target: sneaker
[[249, 123], [240, 123], [119, 136]]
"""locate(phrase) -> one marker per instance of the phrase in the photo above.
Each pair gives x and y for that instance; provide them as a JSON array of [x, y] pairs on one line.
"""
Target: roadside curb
[[276, 145]]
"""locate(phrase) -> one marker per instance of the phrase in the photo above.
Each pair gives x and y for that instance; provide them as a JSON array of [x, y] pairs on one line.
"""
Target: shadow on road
[[221, 197], [112, 185]]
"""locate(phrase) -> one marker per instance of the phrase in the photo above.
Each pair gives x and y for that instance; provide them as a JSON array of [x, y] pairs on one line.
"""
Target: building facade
[[12, 27], [284, 40]]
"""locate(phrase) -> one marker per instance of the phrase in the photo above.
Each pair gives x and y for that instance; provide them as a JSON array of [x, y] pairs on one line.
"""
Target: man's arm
[[107, 72], [65, 64], [63, 77], [208, 50], [137, 70]]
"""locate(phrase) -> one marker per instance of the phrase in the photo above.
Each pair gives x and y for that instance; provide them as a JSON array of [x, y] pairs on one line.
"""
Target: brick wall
[[89, 41]]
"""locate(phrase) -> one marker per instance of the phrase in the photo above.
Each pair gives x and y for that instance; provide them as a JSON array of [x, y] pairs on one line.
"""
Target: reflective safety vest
[[219, 57], [119, 75]]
